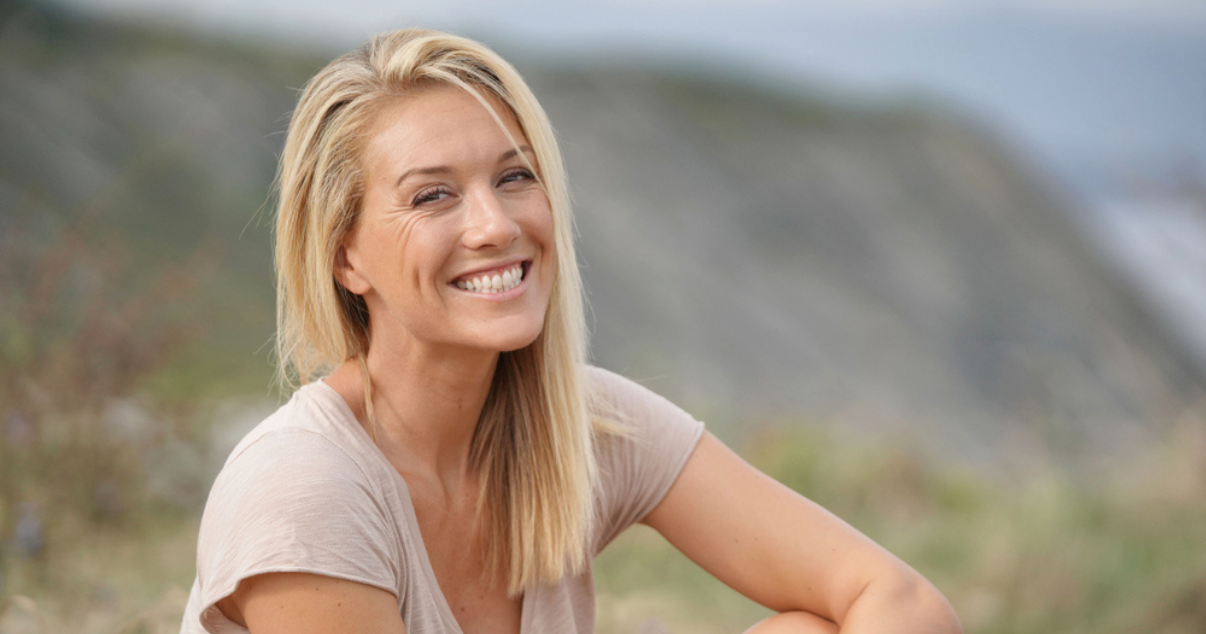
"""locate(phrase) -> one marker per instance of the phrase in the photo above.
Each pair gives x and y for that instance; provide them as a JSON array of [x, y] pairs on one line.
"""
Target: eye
[[516, 174], [431, 195]]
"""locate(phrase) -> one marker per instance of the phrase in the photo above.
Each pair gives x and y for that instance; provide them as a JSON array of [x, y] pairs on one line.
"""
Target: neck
[[426, 405]]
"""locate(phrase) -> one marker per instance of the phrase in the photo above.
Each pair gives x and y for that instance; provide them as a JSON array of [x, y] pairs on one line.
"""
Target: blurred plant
[[80, 328], [22, 614], [1047, 550]]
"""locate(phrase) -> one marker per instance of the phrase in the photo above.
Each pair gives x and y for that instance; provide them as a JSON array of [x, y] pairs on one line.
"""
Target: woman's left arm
[[789, 554]]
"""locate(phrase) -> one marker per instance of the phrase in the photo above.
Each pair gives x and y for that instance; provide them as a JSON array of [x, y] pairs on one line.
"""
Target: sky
[[1102, 93]]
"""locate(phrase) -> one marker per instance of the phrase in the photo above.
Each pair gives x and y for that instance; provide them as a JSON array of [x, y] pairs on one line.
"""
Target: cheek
[[425, 246], [547, 231], [392, 250], [541, 225]]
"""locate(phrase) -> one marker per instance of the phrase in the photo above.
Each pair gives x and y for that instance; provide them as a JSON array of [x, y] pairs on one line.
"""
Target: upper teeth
[[493, 282]]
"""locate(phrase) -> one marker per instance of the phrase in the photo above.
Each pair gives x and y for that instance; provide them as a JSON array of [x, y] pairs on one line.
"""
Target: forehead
[[438, 126]]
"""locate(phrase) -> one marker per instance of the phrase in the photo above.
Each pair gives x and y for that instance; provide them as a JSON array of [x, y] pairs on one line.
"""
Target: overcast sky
[[1094, 88], [367, 16]]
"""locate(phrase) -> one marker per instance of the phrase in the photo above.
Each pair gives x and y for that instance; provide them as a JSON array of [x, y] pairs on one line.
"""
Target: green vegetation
[[1043, 552], [104, 579], [91, 532]]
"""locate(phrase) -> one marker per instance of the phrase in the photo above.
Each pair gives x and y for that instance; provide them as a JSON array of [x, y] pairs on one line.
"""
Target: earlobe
[[348, 275]]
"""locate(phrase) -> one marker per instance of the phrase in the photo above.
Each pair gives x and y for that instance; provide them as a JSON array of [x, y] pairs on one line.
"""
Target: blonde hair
[[533, 446]]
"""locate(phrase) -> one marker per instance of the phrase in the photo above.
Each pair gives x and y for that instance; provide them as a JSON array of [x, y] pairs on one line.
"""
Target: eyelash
[[430, 195], [433, 194], [518, 171]]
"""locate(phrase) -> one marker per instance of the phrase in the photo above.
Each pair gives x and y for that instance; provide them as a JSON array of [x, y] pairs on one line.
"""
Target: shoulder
[[300, 493], [310, 451], [307, 450], [631, 402], [652, 440], [315, 417]]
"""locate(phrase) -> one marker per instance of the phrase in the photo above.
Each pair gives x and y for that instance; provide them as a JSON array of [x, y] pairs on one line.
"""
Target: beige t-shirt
[[308, 491]]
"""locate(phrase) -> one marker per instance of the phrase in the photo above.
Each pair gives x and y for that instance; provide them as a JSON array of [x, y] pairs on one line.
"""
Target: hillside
[[881, 265], [747, 253]]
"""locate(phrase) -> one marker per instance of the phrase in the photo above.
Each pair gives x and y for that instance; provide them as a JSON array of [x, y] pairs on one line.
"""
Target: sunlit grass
[[104, 579], [1048, 552]]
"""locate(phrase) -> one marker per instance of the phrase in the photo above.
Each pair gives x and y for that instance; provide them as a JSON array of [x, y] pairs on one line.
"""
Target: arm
[[300, 603], [294, 500], [789, 554]]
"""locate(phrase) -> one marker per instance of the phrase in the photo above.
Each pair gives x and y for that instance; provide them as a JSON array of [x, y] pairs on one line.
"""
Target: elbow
[[919, 604]]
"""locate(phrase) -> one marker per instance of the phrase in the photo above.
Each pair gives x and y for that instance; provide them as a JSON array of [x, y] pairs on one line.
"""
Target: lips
[[499, 280]]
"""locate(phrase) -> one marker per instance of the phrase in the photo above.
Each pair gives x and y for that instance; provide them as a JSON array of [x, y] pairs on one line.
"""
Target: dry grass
[[84, 545], [105, 580], [1044, 553], [1050, 551]]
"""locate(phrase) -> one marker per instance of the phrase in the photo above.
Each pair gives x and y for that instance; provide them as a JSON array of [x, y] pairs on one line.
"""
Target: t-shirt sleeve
[[293, 501], [637, 468]]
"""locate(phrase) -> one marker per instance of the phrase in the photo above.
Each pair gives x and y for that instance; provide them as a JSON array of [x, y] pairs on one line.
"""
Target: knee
[[794, 623]]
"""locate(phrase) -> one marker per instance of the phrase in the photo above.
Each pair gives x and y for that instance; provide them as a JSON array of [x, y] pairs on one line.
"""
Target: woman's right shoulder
[[309, 455], [314, 415], [299, 494], [311, 447]]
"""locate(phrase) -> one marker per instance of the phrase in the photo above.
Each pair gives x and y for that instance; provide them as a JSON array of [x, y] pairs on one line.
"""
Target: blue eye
[[431, 195], [516, 174]]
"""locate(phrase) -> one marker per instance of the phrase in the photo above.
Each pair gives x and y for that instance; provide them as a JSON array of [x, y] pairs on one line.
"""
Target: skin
[[472, 205]]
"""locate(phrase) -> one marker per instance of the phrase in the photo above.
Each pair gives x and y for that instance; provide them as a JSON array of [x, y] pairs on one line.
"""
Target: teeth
[[496, 283]]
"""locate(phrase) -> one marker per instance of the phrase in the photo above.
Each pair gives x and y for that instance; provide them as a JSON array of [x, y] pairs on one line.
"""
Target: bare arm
[[789, 554], [299, 603]]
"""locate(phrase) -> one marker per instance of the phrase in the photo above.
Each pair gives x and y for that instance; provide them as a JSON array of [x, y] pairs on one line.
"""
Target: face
[[453, 246]]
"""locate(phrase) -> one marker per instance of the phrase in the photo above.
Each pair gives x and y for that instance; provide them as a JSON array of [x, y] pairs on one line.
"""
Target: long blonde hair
[[533, 446]]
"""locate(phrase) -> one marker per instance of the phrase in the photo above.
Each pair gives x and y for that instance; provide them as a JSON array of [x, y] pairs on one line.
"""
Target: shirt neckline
[[361, 435]]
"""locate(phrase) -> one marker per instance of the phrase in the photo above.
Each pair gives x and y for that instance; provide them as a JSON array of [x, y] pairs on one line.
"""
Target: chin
[[517, 343], [504, 337]]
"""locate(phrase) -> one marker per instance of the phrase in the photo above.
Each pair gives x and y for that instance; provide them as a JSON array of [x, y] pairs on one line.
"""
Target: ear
[[347, 273]]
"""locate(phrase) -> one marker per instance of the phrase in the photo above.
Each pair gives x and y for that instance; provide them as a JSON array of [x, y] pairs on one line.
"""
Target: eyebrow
[[443, 169]]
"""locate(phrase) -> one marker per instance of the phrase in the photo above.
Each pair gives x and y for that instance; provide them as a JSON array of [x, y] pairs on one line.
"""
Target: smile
[[499, 281]]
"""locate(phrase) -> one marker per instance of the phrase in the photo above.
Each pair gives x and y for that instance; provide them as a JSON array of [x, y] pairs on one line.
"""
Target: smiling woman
[[450, 463], [454, 239]]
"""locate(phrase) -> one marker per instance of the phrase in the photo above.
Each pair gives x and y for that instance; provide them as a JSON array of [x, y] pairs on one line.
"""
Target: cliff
[[749, 253]]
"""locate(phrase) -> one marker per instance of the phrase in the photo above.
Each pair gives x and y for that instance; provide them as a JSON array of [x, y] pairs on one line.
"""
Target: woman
[[451, 463]]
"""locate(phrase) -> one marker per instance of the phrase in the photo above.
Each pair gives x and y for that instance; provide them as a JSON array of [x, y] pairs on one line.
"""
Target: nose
[[488, 223]]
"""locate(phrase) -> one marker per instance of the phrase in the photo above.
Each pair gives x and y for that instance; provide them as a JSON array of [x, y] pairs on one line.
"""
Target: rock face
[[747, 253], [753, 251]]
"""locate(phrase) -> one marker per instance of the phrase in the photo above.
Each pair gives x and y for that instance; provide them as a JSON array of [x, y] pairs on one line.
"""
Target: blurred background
[[939, 265]]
